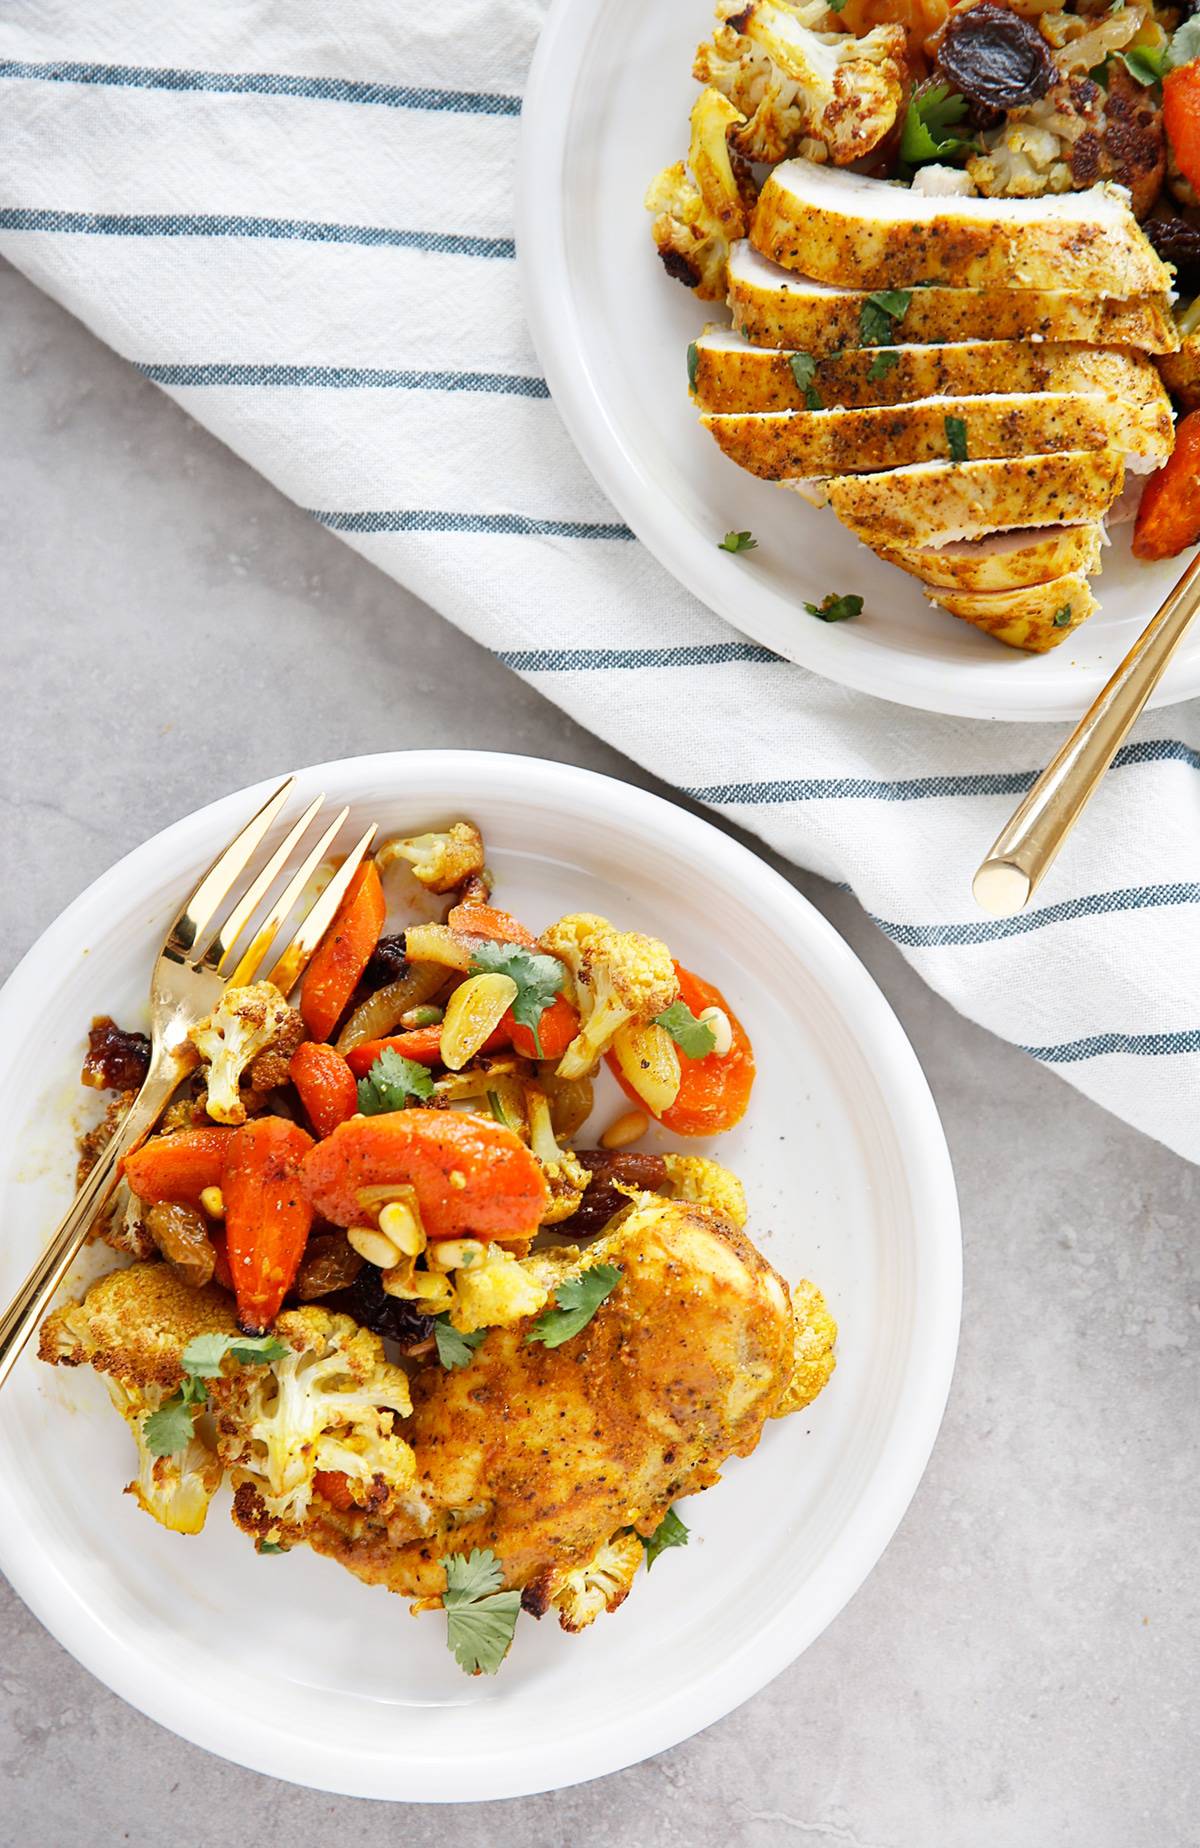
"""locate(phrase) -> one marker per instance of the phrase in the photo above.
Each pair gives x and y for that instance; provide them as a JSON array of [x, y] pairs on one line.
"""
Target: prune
[[996, 58], [1177, 242], [369, 1303], [116, 1061], [387, 963], [603, 1198]]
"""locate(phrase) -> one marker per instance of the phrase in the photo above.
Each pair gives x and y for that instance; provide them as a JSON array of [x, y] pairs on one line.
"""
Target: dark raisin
[[995, 57], [603, 1197], [1177, 242], [370, 1305], [116, 1061], [387, 963]]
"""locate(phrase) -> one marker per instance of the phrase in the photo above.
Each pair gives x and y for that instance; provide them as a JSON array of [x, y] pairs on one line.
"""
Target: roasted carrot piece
[[714, 1091], [1168, 517], [556, 1029], [560, 1022], [487, 921], [325, 1084], [179, 1166], [423, 1044], [344, 952], [500, 1191], [1181, 118], [267, 1215], [334, 1485]]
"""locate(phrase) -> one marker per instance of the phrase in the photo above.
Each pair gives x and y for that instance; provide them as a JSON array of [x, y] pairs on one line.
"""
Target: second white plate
[[605, 109]]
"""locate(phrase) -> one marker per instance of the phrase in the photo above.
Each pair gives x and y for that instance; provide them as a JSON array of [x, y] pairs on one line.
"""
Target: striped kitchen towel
[[298, 220]]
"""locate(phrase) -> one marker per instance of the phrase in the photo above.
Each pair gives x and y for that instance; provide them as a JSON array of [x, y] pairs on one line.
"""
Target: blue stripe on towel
[[263, 83], [993, 930], [434, 520], [342, 378], [1140, 1045], [917, 788], [220, 224], [583, 660]]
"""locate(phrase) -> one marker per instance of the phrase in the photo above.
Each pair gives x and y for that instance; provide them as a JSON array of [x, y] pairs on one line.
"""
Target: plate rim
[[903, 678], [201, 1717]]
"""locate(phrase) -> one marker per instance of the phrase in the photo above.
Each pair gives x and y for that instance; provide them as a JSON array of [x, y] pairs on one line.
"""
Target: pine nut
[[448, 1254], [374, 1246], [628, 1128], [434, 1291], [398, 1222], [213, 1202], [717, 1020]]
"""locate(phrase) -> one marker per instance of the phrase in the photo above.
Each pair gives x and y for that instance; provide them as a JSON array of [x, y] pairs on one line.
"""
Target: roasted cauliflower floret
[[702, 206], [498, 1290], [804, 85], [566, 1176], [244, 1023], [580, 1593], [816, 1335], [330, 1403], [440, 861], [175, 1490], [1072, 138], [134, 1324], [619, 976], [706, 1183]]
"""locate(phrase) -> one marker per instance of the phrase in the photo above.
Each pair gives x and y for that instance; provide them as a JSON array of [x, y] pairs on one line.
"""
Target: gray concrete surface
[[1020, 1671]]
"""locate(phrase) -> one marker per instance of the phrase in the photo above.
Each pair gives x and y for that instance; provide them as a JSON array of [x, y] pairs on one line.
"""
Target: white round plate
[[605, 109], [290, 1665]]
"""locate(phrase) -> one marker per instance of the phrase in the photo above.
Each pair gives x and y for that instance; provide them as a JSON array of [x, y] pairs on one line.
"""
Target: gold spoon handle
[[1025, 848]]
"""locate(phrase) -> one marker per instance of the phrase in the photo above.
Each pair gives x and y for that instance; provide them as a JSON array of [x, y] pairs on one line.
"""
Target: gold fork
[[189, 977]]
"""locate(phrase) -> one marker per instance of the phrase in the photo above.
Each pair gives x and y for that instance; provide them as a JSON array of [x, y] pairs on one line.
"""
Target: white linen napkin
[[298, 220]]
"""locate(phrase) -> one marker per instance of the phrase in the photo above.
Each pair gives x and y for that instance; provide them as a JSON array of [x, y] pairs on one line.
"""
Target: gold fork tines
[[186, 985]]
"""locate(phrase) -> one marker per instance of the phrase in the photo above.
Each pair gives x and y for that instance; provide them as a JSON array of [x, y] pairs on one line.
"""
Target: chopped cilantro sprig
[[169, 1430], [480, 1617], [576, 1302]]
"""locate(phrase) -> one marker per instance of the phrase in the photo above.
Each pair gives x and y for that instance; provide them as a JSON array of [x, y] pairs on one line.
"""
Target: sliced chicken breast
[[1003, 561], [775, 307], [1036, 619], [934, 502], [862, 233], [777, 444], [732, 375]]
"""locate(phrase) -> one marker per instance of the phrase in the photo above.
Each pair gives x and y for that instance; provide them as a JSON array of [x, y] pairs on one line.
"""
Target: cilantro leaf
[[929, 122], [879, 314], [1062, 617], [454, 1350], [693, 362], [956, 438], [480, 1618], [391, 1081], [835, 6], [169, 1429], [881, 365], [1185, 44], [804, 367], [1147, 63], [693, 1037], [203, 1354], [835, 609], [1099, 74], [670, 1531], [272, 1546], [578, 1300], [539, 978], [737, 542]]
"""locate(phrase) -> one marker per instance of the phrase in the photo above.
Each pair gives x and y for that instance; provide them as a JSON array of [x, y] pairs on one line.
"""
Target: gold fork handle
[[35, 1295], [1024, 850]]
